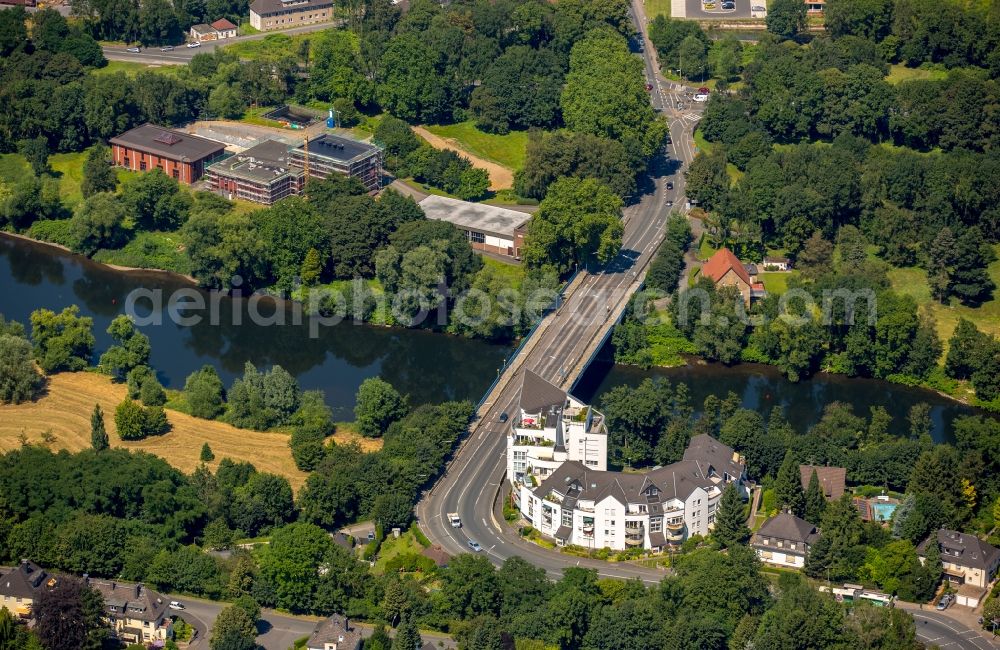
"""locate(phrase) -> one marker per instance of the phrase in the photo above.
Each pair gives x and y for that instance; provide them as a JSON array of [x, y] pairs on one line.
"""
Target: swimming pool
[[883, 511]]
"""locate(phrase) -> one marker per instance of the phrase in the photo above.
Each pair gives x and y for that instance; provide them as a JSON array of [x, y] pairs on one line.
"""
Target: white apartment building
[[557, 465], [551, 428]]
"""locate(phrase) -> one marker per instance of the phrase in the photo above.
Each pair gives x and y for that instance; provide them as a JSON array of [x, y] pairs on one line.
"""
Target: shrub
[[57, 231], [134, 422]]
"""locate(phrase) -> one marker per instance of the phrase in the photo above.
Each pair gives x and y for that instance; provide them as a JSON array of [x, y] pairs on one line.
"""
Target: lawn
[[513, 273], [13, 167], [391, 547], [913, 282], [271, 47], [507, 150], [133, 67], [702, 143], [900, 73], [657, 7], [70, 168], [777, 282]]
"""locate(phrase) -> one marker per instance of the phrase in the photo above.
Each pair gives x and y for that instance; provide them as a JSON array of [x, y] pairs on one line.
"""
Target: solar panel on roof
[[168, 138]]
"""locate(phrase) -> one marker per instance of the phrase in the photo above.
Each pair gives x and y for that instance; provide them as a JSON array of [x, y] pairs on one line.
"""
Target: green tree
[[579, 222], [788, 486], [36, 152], [707, 180], [133, 422], [18, 378], [407, 636], [70, 615], [62, 341], [98, 174], [379, 640], [206, 455], [156, 201], [263, 502], [728, 58], [101, 221], [13, 30], [815, 501], [131, 348], [816, 257], [312, 268], [204, 392], [786, 18], [261, 400], [377, 406], [730, 525], [801, 618], [234, 629], [692, 56], [98, 435]]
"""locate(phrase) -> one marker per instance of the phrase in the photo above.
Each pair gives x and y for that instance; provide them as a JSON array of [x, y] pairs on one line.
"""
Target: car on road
[[456, 521], [475, 546], [503, 417], [670, 185], [194, 44], [167, 48], [649, 87], [175, 604], [670, 203], [133, 49], [945, 602]]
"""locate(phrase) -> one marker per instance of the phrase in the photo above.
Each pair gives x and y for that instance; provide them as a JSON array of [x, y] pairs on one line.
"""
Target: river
[[427, 366], [762, 387]]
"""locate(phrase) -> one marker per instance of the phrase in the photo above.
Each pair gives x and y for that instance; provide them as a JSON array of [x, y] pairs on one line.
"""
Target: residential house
[[224, 28], [784, 540], [21, 585], [266, 15], [335, 633], [218, 30], [550, 428], [777, 264], [832, 480], [137, 613], [726, 270], [968, 562], [489, 228], [721, 463]]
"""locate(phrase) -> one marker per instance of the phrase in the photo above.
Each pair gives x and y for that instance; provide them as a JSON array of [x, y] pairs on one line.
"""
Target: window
[[177, 173], [642, 508], [125, 161], [567, 518], [477, 237], [655, 525], [142, 165], [611, 523]]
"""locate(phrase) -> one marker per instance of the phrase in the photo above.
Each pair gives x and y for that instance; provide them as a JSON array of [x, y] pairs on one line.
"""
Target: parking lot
[[697, 10]]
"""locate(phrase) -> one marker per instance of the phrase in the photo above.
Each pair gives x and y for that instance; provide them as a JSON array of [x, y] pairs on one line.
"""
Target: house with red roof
[[726, 270]]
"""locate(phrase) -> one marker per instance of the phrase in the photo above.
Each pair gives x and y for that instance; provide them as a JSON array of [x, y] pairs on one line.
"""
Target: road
[[181, 54], [937, 629], [471, 481]]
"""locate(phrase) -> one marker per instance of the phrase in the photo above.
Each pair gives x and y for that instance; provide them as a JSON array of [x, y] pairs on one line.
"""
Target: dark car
[[503, 417], [670, 185], [649, 87], [728, 5]]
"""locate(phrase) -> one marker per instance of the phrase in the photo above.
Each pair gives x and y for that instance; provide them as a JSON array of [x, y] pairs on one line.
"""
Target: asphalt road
[[181, 54], [471, 481], [936, 629]]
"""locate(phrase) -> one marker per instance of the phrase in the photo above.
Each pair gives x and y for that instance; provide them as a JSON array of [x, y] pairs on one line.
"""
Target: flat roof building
[[328, 154], [266, 15], [262, 174], [179, 155], [489, 228]]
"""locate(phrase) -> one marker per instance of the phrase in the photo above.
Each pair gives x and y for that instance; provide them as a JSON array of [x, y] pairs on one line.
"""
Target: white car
[[133, 49], [194, 44], [174, 604], [475, 546]]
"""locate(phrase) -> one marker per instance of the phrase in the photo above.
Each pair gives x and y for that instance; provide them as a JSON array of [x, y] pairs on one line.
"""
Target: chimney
[[138, 589]]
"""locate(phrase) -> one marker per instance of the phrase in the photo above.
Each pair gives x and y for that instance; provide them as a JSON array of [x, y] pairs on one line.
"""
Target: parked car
[[945, 601], [133, 49], [729, 6], [194, 44], [760, 8], [503, 417], [670, 185], [167, 48], [475, 546], [174, 604]]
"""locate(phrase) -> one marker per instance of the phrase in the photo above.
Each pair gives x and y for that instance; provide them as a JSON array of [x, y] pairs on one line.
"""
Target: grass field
[[657, 7], [900, 73], [133, 67], [507, 150], [913, 282], [272, 46], [70, 168], [777, 282], [391, 547], [65, 408], [69, 400]]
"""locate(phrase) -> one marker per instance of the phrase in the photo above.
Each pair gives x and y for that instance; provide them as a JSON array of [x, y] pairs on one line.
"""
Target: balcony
[[675, 525], [635, 533]]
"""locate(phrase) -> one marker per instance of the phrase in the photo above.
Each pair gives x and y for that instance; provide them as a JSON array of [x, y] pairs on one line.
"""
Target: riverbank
[[60, 419]]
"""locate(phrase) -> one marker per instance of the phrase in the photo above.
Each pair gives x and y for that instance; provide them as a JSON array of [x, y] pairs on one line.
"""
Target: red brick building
[[179, 155]]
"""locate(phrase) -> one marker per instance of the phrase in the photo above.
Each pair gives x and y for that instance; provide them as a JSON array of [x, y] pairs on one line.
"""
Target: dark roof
[[574, 481], [964, 550], [337, 148], [202, 28], [538, 395], [223, 24], [266, 162], [788, 527], [134, 601], [23, 581], [266, 7], [713, 454], [831, 479], [335, 629], [168, 143]]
